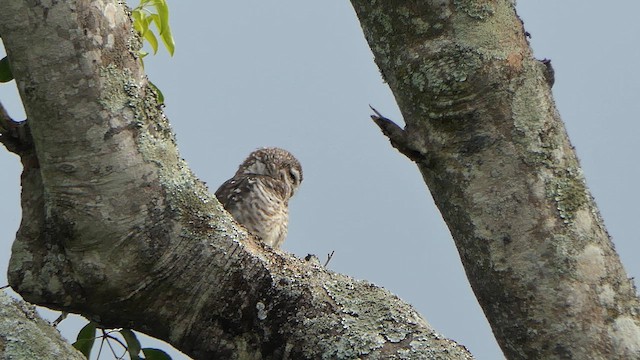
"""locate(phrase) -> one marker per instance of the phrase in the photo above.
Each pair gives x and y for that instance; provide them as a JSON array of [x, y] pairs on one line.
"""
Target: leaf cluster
[[87, 337], [144, 18]]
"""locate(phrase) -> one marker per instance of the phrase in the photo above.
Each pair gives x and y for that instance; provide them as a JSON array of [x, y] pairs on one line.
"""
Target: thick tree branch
[[505, 176], [25, 336], [117, 228]]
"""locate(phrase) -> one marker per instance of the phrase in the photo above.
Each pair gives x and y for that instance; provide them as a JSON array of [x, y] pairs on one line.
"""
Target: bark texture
[[483, 129], [117, 228], [25, 336]]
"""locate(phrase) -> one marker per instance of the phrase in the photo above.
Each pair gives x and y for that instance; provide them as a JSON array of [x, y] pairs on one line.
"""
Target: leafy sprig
[[131, 345], [143, 19]]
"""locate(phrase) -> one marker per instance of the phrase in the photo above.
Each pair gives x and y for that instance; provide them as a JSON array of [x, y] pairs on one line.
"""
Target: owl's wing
[[237, 189], [231, 191]]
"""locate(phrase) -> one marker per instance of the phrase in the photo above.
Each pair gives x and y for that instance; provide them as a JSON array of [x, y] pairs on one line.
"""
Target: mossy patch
[[569, 192], [476, 9]]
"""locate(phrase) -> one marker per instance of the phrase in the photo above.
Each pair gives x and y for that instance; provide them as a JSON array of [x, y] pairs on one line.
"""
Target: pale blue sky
[[299, 75]]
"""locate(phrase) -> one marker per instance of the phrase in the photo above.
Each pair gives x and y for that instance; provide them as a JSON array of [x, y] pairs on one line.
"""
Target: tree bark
[[25, 336], [484, 131], [117, 228]]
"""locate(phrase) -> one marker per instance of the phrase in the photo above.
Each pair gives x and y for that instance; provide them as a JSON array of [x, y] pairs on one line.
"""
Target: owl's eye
[[294, 175]]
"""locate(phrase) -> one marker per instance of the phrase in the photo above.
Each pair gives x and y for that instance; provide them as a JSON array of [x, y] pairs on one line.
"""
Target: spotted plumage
[[258, 194]]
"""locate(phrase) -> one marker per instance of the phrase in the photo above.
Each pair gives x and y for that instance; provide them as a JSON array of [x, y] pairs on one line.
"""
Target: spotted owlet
[[258, 194]]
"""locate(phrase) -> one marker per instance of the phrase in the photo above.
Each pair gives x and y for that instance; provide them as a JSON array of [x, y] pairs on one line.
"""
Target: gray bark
[[117, 228], [483, 129], [26, 336]]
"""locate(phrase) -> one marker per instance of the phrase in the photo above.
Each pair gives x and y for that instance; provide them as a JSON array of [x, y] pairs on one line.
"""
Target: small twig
[[101, 345], [329, 257], [4, 117], [113, 351], [398, 136], [14, 135], [388, 127], [124, 346], [6, 122], [62, 316], [4, 287], [549, 73]]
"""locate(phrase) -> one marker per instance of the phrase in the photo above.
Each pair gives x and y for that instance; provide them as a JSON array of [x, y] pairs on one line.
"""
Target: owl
[[258, 194]]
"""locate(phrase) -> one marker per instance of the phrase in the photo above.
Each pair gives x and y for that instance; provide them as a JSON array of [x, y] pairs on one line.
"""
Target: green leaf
[[86, 338], [143, 18], [133, 344], [167, 39], [5, 70], [163, 12], [142, 4], [165, 30], [153, 41], [139, 22], [155, 354], [160, 95], [156, 20]]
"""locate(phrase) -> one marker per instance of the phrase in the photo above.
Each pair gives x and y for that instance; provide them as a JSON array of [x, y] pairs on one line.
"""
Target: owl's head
[[276, 163]]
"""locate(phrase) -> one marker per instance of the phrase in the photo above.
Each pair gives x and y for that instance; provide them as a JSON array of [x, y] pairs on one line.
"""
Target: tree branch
[[504, 176], [24, 335], [14, 135], [398, 137], [117, 228]]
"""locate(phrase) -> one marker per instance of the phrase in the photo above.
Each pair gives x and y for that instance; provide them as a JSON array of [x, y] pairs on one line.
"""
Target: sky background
[[299, 75]]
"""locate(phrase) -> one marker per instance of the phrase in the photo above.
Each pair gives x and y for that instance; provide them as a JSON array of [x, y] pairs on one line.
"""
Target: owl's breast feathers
[[259, 203], [258, 194]]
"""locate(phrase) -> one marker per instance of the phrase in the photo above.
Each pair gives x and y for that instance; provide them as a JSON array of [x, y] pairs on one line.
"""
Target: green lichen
[[27, 336], [418, 81], [475, 9], [366, 325], [417, 24], [533, 129], [122, 92], [445, 75], [439, 83], [129, 98], [117, 84], [567, 188]]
